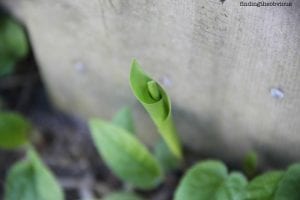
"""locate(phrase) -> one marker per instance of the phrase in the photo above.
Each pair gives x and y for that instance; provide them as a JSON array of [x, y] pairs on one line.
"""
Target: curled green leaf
[[209, 180], [30, 179], [129, 159], [14, 130], [157, 103], [154, 90]]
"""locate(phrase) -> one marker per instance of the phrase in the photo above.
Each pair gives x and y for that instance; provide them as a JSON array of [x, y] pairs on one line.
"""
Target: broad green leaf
[[125, 155], [233, 188], [250, 164], [14, 130], [157, 103], [13, 44], [30, 179], [14, 37], [289, 186], [264, 187], [122, 196], [209, 180], [166, 158], [124, 119]]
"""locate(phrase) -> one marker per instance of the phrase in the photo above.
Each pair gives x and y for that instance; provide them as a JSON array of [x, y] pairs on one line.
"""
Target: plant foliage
[[157, 103], [14, 130], [124, 119], [30, 179], [129, 159], [264, 187], [209, 180], [13, 44]]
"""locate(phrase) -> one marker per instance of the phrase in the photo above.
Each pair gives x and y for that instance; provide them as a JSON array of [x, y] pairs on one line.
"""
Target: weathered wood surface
[[219, 62]]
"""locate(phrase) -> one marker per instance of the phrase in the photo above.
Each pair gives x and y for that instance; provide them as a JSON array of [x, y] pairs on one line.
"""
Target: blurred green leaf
[[124, 120], [13, 44], [14, 130], [125, 155], [209, 180], [289, 186], [30, 179], [165, 157], [7, 66], [264, 187], [250, 164], [157, 103], [122, 196]]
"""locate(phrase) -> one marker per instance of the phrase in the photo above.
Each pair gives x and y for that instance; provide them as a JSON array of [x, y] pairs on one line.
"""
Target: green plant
[[209, 180], [14, 130], [135, 158], [28, 179], [264, 186], [250, 164], [131, 161], [158, 104], [13, 44], [167, 160]]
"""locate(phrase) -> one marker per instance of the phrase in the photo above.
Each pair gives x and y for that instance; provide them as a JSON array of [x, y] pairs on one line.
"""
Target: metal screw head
[[277, 93]]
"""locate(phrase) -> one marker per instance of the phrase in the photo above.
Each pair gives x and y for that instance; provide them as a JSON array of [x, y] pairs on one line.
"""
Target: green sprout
[[157, 103]]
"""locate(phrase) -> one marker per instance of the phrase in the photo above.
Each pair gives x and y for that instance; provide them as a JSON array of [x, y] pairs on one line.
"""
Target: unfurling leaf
[[30, 179], [157, 103], [209, 180], [129, 159], [264, 187], [14, 130], [153, 89]]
